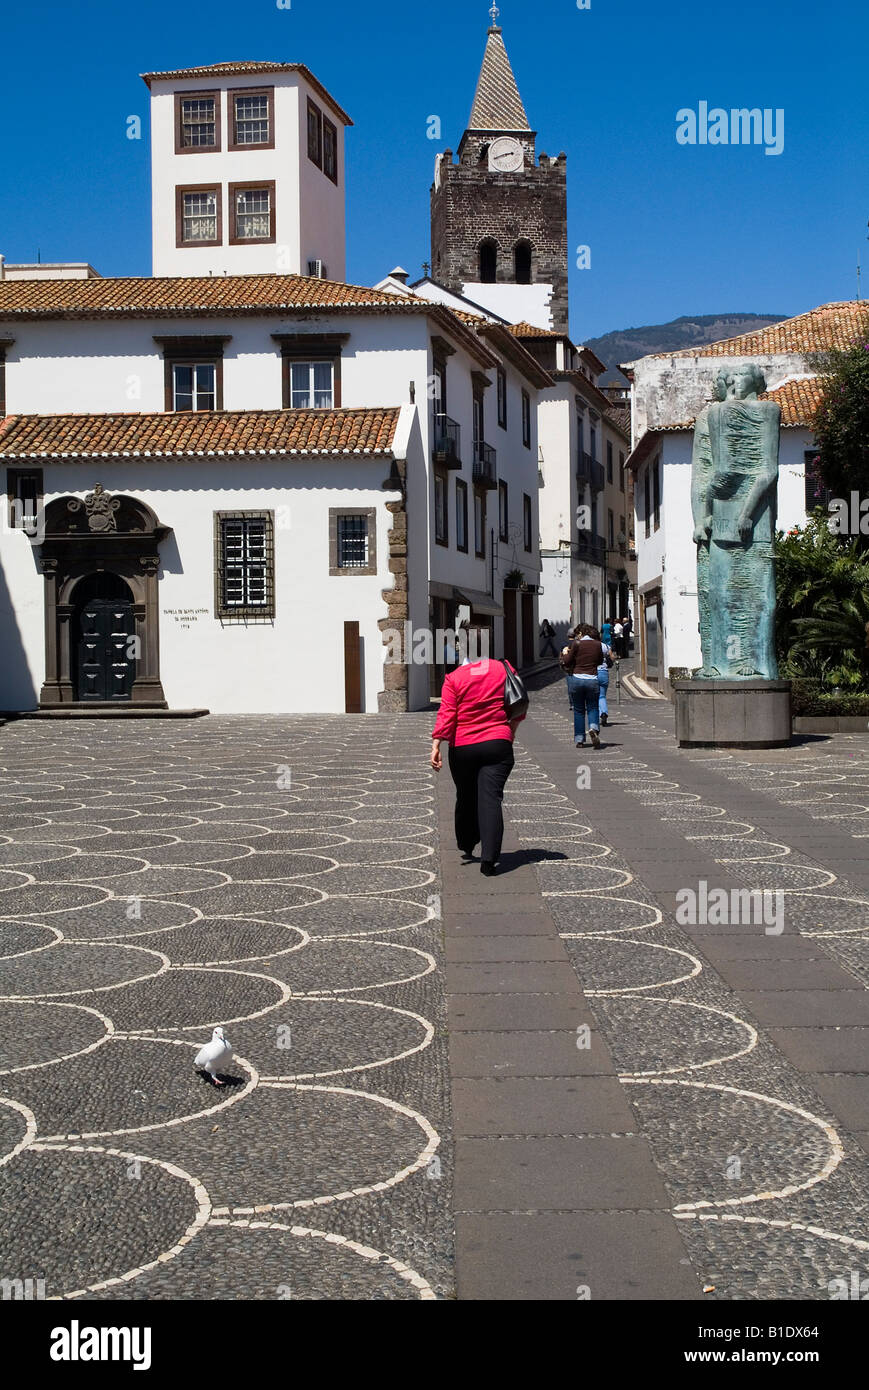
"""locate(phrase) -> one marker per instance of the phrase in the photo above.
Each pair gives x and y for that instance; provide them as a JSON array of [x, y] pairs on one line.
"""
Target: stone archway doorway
[[103, 635], [101, 562]]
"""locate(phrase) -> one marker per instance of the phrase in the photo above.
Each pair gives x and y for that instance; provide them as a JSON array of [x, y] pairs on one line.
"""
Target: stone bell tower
[[499, 214]]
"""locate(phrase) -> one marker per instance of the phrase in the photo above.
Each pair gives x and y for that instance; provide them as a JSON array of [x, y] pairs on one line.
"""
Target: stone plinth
[[733, 714]]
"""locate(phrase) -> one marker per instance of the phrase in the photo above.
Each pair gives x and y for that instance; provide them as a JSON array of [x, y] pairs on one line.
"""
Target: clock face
[[506, 155]]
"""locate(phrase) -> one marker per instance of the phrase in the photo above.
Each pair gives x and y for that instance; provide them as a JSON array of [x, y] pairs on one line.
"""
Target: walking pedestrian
[[627, 629], [473, 720], [580, 660], [603, 675], [547, 636], [618, 636], [606, 633]]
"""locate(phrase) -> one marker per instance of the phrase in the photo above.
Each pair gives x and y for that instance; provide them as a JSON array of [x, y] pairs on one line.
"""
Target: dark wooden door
[[528, 634], [106, 664], [510, 596], [352, 669]]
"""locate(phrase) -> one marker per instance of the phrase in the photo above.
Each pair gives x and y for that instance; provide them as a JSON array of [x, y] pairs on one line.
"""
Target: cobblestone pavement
[[278, 877], [745, 1052], [281, 877]]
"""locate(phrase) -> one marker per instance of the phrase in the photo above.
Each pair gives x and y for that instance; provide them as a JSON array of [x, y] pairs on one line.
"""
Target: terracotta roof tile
[[799, 399], [528, 330], [218, 296], [829, 326], [620, 415], [200, 434], [144, 296]]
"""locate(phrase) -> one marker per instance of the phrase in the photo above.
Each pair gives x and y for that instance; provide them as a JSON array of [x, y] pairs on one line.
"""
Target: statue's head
[[748, 380], [719, 386]]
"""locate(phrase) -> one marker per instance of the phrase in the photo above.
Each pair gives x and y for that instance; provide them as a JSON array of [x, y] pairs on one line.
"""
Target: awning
[[480, 602]]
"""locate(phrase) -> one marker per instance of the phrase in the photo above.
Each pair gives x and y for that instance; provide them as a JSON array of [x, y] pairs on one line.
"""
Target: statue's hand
[[745, 525]]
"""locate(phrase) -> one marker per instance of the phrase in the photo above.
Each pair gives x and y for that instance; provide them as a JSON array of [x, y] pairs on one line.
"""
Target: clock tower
[[499, 211]]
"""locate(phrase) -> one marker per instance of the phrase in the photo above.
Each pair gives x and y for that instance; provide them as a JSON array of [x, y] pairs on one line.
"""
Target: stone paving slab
[[573, 1255]]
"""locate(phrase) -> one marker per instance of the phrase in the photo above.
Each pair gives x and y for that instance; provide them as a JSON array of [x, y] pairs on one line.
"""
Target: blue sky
[[672, 229]]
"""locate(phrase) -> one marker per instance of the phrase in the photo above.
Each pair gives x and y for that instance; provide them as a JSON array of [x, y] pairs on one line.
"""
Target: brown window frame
[[503, 492], [180, 190], [502, 397], [621, 471], [13, 480], [216, 148], [310, 347], [330, 126], [231, 95], [342, 571], [609, 461], [480, 493], [234, 239], [312, 107], [462, 497], [526, 419], [527, 523], [5, 345], [187, 350], [441, 476]]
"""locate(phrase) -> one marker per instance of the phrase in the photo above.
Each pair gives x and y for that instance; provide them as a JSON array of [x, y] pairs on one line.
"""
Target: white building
[[283, 471], [668, 391], [247, 171]]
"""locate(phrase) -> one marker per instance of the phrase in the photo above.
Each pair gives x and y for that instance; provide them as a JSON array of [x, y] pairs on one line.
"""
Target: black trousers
[[480, 772]]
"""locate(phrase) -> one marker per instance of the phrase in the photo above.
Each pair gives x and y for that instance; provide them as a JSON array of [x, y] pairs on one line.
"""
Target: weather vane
[[494, 12]]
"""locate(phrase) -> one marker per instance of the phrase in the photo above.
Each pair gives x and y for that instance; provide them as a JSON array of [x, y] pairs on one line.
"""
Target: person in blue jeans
[[603, 674], [579, 661]]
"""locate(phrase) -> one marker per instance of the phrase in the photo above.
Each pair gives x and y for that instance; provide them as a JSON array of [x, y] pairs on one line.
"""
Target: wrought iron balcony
[[446, 442], [588, 471], [591, 548], [485, 472]]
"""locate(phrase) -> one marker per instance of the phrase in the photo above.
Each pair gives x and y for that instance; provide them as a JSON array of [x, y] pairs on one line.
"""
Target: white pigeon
[[214, 1056]]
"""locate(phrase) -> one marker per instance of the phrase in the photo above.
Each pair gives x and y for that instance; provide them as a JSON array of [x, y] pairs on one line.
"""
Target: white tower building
[[247, 171]]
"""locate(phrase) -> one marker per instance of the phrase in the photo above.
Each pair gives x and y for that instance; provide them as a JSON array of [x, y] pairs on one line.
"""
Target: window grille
[[245, 566], [352, 542]]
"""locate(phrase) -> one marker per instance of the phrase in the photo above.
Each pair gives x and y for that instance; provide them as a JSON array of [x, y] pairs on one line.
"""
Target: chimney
[[2, 267], [399, 273]]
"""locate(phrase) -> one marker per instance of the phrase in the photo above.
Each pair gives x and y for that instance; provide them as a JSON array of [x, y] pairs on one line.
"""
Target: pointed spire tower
[[499, 215]]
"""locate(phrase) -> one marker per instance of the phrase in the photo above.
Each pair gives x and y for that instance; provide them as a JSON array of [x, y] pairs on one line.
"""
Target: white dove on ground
[[214, 1055]]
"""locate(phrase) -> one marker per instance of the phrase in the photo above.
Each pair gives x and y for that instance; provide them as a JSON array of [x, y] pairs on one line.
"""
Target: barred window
[[199, 218], [199, 123], [352, 542], [245, 566], [252, 119]]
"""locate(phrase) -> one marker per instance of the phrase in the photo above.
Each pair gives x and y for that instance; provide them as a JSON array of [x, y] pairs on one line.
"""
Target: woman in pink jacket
[[472, 720]]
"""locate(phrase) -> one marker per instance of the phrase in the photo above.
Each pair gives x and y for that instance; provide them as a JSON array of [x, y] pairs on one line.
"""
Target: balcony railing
[[485, 472], [591, 548], [447, 442]]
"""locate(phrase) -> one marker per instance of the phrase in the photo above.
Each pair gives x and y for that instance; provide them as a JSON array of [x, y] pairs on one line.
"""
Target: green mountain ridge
[[627, 344]]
